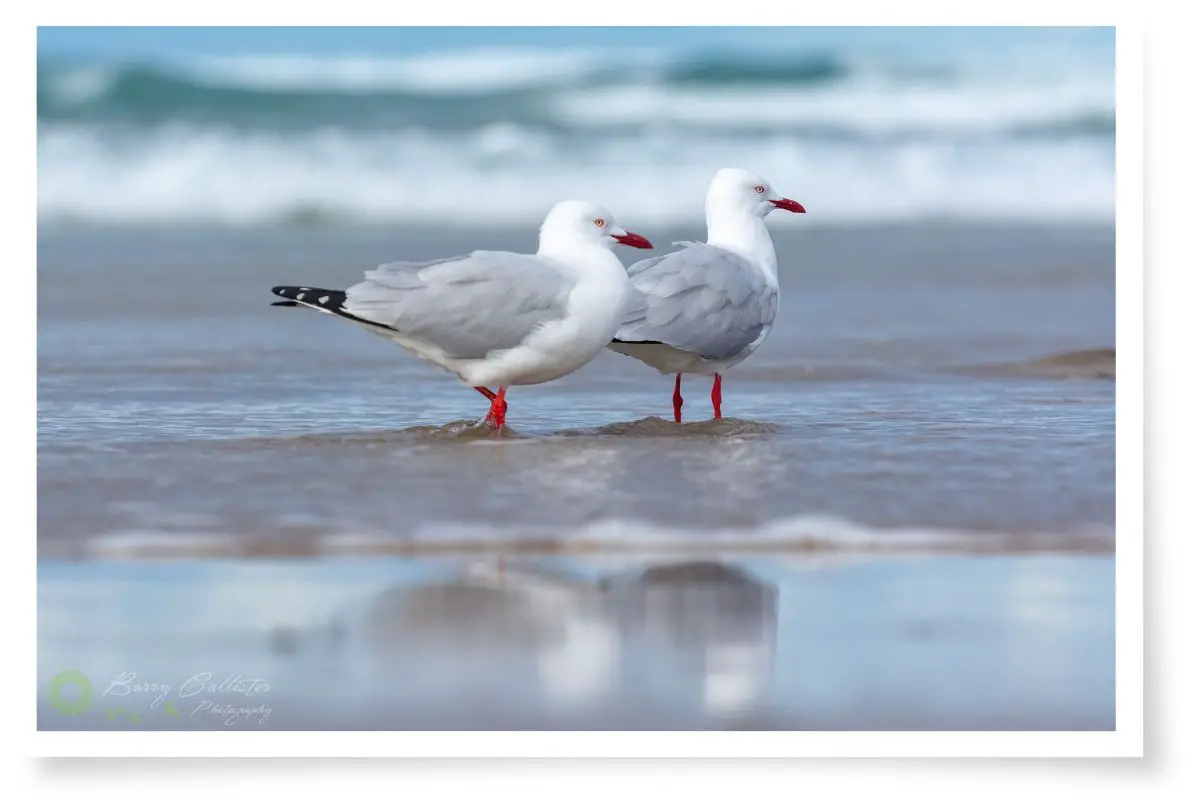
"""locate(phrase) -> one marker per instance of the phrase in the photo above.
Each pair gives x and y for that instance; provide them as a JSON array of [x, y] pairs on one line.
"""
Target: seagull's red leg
[[499, 407], [678, 399], [490, 395], [716, 396]]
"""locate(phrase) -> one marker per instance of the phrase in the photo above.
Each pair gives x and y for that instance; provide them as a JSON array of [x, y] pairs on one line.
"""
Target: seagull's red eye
[[599, 222], [760, 189]]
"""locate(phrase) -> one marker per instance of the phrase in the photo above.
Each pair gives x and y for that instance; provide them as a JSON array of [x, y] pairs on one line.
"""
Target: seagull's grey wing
[[465, 306], [702, 299]]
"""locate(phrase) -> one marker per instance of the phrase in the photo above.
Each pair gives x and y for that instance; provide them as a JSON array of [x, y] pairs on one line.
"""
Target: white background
[[1172, 356]]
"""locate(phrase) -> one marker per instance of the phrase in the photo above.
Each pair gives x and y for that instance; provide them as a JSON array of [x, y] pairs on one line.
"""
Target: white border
[[586, 744], [1130, 512], [610, 13], [1127, 740]]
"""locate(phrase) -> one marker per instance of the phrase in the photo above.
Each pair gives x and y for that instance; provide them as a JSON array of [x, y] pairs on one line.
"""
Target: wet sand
[[936, 399]]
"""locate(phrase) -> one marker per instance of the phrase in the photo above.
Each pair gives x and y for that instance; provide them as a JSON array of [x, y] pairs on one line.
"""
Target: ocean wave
[[467, 72], [140, 96], [186, 174], [805, 534], [216, 174], [230, 78], [735, 70], [563, 89], [454, 73], [305, 139], [859, 110]]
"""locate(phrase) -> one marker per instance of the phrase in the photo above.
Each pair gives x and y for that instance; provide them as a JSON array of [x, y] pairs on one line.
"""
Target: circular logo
[[60, 682]]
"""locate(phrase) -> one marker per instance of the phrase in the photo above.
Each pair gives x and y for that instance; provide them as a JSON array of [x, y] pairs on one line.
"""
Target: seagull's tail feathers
[[331, 301]]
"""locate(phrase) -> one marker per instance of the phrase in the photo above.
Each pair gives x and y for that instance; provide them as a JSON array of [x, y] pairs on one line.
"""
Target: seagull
[[498, 318], [706, 307]]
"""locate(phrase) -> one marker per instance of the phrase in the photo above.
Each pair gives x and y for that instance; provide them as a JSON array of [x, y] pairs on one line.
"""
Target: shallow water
[[386, 643], [940, 379], [905, 519]]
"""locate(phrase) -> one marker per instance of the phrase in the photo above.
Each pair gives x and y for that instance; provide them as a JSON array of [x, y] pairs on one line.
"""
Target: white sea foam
[[189, 174], [814, 534], [82, 84], [980, 131], [469, 71], [863, 108]]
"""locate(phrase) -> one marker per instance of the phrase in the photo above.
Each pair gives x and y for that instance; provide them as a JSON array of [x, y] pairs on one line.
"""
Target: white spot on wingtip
[[300, 296], [323, 300]]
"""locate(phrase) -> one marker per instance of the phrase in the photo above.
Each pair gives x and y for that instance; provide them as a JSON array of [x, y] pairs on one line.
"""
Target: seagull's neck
[[746, 235], [583, 258]]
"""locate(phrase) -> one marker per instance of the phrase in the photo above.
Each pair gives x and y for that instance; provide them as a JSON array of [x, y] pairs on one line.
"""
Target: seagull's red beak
[[633, 240], [789, 205]]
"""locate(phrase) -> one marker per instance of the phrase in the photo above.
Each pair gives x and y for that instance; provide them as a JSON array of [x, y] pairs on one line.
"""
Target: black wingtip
[[332, 301], [329, 299]]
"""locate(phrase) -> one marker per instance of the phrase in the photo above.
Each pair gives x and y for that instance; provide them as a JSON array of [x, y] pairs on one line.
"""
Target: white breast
[[559, 348]]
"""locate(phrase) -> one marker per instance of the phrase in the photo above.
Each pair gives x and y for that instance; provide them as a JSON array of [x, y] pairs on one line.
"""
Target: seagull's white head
[[740, 192], [575, 223]]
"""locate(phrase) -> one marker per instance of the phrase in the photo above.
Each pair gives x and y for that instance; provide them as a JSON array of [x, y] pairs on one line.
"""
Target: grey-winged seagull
[[498, 318], [707, 307]]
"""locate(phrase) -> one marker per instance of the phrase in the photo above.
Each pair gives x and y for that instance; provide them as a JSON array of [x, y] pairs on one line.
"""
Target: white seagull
[[496, 318], [707, 307]]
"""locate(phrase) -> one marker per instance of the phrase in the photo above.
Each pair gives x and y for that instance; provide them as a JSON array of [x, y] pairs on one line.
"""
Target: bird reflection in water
[[691, 638], [712, 627]]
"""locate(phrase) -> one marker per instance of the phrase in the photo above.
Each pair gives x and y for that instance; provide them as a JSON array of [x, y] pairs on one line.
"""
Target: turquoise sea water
[[387, 126]]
